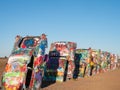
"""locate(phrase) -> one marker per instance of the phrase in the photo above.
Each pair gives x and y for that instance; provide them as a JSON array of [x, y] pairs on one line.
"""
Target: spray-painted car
[[25, 65], [81, 57], [60, 65]]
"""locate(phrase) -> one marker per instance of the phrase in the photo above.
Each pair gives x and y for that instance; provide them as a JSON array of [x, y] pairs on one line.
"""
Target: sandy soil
[[104, 81], [2, 65]]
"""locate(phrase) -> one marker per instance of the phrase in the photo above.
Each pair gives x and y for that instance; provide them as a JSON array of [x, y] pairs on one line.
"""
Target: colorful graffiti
[[25, 65], [90, 62], [61, 58], [28, 64]]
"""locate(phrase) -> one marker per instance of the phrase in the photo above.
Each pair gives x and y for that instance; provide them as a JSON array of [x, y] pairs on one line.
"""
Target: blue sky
[[89, 23]]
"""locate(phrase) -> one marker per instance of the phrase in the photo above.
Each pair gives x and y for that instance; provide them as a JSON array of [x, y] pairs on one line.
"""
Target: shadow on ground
[[47, 83]]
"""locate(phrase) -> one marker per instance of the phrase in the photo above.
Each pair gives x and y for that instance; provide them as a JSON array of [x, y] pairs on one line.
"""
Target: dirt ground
[[104, 81], [3, 61]]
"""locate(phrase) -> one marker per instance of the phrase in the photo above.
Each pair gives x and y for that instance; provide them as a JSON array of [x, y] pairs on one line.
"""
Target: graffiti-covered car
[[60, 65], [25, 66]]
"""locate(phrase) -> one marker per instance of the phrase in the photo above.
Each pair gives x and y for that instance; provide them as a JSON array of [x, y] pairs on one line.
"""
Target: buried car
[[25, 66]]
